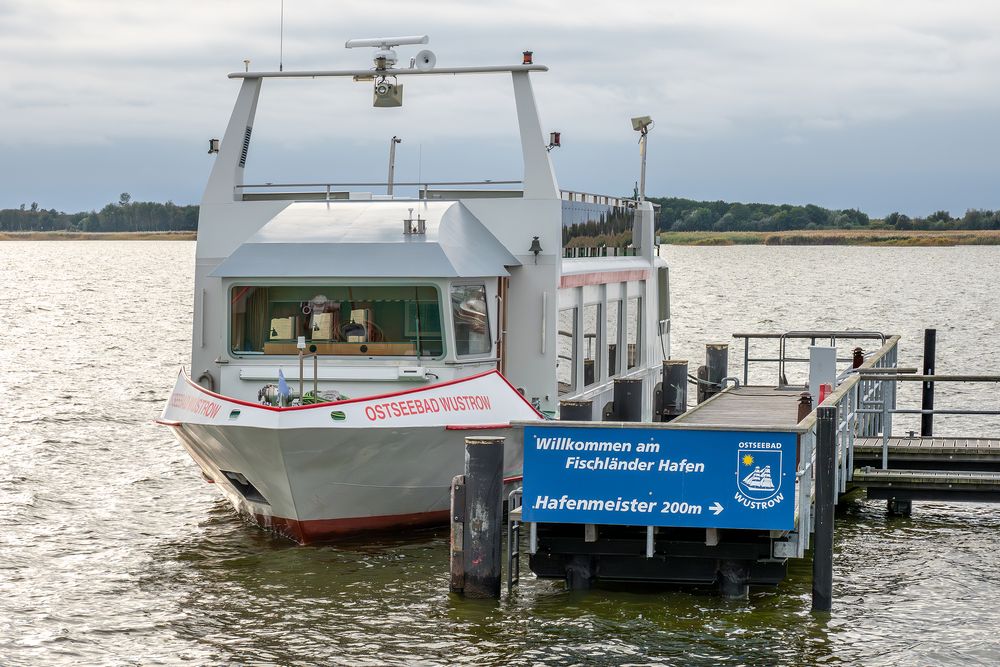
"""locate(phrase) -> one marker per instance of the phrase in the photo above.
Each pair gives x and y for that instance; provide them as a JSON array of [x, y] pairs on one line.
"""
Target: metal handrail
[[887, 412], [373, 184], [848, 399], [591, 198], [783, 358]]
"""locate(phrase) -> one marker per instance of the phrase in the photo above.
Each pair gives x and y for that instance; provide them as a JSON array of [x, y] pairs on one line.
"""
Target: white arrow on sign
[[716, 508]]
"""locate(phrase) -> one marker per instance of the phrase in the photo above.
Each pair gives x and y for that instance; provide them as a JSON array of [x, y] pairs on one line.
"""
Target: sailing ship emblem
[[758, 473]]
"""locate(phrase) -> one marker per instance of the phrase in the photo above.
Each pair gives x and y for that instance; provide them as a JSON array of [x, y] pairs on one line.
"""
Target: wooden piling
[[477, 527], [927, 393], [826, 490]]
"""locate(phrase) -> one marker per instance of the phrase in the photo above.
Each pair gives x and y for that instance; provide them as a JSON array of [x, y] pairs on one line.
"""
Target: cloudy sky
[[879, 105]]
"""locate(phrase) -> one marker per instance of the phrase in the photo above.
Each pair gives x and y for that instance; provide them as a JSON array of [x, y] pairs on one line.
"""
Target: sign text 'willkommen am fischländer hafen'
[[659, 477]]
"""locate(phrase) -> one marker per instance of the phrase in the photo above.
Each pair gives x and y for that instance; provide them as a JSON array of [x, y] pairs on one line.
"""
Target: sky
[[879, 105]]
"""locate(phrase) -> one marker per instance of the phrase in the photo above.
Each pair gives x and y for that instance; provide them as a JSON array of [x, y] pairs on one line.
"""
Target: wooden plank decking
[[932, 446], [746, 407], [930, 453]]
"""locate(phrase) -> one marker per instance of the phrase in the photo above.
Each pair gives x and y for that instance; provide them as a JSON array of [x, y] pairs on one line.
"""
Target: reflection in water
[[114, 551]]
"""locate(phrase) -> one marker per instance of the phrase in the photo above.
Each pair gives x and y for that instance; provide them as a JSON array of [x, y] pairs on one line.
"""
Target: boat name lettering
[[420, 406], [198, 406]]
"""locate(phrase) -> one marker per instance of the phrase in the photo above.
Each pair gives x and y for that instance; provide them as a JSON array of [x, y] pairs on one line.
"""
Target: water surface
[[113, 551]]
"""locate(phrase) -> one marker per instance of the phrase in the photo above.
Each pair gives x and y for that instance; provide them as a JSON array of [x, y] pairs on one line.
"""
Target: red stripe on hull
[[325, 530]]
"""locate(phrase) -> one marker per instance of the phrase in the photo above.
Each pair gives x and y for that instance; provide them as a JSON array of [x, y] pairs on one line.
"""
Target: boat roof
[[365, 239]]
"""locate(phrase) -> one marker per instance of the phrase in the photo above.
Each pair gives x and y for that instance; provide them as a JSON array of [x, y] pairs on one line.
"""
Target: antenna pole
[[392, 162], [281, 39], [642, 171]]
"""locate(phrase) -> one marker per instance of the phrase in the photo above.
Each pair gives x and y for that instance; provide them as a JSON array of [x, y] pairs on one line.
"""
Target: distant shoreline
[[97, 236], [869, 237], [857, 237]]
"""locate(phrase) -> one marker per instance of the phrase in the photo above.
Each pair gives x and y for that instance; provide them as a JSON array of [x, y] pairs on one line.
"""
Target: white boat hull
[[312, 478]]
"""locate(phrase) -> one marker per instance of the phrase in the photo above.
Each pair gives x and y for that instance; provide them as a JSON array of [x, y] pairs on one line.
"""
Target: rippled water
[[112, 550]]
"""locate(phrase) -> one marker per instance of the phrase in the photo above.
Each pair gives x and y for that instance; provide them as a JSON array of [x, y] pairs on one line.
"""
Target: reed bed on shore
[[97, 236], [872, 237]]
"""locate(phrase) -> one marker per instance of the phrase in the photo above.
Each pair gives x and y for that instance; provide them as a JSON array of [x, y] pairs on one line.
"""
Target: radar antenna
[[390, 94]]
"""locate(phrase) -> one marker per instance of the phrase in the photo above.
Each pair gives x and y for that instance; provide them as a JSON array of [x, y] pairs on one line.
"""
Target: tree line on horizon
[[687, 215], [674, 214], [124, 216]]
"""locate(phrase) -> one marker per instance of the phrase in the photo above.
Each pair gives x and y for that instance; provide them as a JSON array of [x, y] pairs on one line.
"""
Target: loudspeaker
[[425, 60]]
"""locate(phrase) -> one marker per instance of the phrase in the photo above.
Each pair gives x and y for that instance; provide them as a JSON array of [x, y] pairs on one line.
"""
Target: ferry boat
[[345, 342]]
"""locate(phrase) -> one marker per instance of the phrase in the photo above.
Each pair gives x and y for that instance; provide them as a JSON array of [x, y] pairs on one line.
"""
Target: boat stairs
[[748, 478]]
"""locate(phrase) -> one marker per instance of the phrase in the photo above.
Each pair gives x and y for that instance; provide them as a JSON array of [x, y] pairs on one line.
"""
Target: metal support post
[[927, 395], [734, 579], [826, 452]]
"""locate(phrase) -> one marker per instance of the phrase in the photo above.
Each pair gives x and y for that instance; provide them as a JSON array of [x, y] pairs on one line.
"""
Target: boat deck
[[743, 407]]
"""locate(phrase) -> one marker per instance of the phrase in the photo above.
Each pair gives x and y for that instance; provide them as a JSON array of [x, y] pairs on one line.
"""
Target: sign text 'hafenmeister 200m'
[[659, 477]]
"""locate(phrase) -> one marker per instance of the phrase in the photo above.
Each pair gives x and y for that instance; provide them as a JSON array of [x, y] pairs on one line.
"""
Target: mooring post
[[576, 411], [675, 392], [927, 395], [826, 461], [478, 575], [716, 368], [628, 399], [805, 406]]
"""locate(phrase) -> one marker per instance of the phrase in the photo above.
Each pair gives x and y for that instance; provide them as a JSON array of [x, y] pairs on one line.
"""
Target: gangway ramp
[[745, 407]]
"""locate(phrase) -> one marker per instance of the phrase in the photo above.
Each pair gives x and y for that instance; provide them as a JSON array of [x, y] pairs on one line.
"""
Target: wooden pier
[[842, 446], [930, 453]]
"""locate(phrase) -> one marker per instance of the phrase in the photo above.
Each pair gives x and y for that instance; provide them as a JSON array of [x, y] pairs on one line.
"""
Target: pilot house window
[[376, 320], [472, 324]]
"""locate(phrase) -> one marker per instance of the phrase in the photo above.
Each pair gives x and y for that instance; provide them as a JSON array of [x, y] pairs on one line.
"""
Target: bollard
[[576, 411], [927, 393], [805, 406], [477, 512], [826, 489], [675, 383], [859, 358], [628, 400]]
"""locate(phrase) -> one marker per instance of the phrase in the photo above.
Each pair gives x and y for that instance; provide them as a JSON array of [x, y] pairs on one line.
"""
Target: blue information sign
[[660, 477]]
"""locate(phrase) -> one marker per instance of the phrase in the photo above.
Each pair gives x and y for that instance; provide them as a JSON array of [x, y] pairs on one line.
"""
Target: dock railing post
[[927, 395], [476, 563], [826, 490]]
